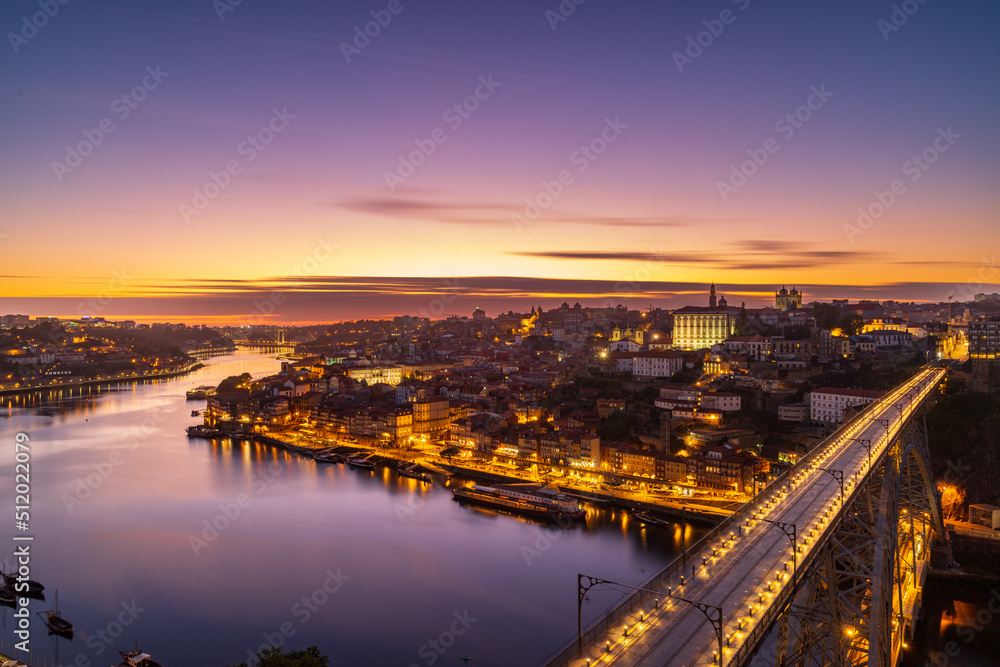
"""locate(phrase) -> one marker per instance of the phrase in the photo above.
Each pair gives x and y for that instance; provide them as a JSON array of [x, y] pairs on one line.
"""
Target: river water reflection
[[203, 550]]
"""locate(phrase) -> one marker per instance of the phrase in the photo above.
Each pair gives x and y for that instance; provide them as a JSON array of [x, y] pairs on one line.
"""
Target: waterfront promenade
[[100, 379], [688, 508]]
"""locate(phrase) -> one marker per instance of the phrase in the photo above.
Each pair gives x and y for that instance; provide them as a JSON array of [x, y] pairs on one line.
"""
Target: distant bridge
[[861, 512], [266, 345]]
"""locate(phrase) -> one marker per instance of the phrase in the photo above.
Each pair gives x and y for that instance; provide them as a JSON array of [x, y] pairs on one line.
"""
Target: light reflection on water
[[218, 542]]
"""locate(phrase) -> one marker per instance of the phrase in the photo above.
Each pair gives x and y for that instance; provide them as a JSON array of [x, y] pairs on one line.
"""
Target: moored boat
[[651, 520], [28, 588], [545, 502], [414, 472], [55, 622], [202, 431], [137, 658], [362, 461]]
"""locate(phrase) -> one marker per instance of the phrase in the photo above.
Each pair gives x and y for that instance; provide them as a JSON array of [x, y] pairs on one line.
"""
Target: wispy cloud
[[493, 213], [745, 255]]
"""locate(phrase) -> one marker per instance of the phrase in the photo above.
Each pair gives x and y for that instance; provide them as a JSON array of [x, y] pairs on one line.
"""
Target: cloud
[[747, 255], [494, 213]]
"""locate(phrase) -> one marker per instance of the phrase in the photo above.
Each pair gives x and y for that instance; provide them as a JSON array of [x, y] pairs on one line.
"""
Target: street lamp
[[790, 530], [839, 476], [867, 444]]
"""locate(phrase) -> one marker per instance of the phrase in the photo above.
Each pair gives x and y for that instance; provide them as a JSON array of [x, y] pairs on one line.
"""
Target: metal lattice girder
[[849, 609]]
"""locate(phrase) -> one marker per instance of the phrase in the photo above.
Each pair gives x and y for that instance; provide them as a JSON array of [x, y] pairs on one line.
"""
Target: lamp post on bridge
[[585, 583], [839, 476], [867, 444], [790, 530]]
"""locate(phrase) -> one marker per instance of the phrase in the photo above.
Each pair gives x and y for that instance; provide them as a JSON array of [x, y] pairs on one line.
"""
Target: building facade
[[827, 404]]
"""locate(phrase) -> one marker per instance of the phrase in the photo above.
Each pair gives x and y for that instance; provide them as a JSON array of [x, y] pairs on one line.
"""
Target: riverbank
[[689, 511], [110, 380]]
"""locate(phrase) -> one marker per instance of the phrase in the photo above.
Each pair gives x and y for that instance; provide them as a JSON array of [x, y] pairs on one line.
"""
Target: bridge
[[265, 345], [825, 567]]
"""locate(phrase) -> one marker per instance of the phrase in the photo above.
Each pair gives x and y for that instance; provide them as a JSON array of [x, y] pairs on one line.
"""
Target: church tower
[[711, 297]]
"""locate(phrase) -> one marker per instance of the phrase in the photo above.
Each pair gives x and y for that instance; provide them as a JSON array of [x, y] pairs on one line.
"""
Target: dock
[[686, 511]]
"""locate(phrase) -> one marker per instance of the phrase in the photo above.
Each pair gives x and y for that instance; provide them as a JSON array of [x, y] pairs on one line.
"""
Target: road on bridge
[[743, 574]]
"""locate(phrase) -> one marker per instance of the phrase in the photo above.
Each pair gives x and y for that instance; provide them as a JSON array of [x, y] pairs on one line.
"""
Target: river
[[203, 552]]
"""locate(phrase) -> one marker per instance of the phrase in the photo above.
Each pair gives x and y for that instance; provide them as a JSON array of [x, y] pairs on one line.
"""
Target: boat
[[363, 462], [546, 502], [241, 437], [195, 413], [651, 520], [7, 596], [56, 623], [137, 658], [202, 431], [414, 472], [34, 589]]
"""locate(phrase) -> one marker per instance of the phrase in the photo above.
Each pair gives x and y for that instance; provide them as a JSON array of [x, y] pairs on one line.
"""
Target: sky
[[264, 162]]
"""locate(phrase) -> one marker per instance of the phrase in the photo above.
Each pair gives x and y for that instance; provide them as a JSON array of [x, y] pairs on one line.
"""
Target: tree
[[851, 324], [232, 382], [827, 315], [276, 657]]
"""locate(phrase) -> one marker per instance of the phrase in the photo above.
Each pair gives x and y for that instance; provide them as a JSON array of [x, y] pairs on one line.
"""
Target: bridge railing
[[638, 598], [751, 643]]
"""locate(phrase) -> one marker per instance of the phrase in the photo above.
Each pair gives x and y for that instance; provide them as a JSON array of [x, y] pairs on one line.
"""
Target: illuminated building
[[785, 300], [697, 327]]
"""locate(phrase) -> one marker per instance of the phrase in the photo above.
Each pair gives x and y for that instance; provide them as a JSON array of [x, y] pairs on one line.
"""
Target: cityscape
[[558, 334]]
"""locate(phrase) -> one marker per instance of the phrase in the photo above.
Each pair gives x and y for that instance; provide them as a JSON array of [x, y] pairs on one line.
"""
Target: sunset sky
[[109, 206]]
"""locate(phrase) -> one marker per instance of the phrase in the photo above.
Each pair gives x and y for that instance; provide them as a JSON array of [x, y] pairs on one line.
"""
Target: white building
[[721, 400], [391, 375], [827, 403], [657, 364]]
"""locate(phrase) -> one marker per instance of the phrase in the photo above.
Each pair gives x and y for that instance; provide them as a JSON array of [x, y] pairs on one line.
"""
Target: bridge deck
[[738, 576]]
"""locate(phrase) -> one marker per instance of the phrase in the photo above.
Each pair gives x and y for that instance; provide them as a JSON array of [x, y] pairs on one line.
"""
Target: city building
[[827, 404], [391, 375], [698, 327], [656, 364], [785, 300], [985, 515], [984, 351]]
